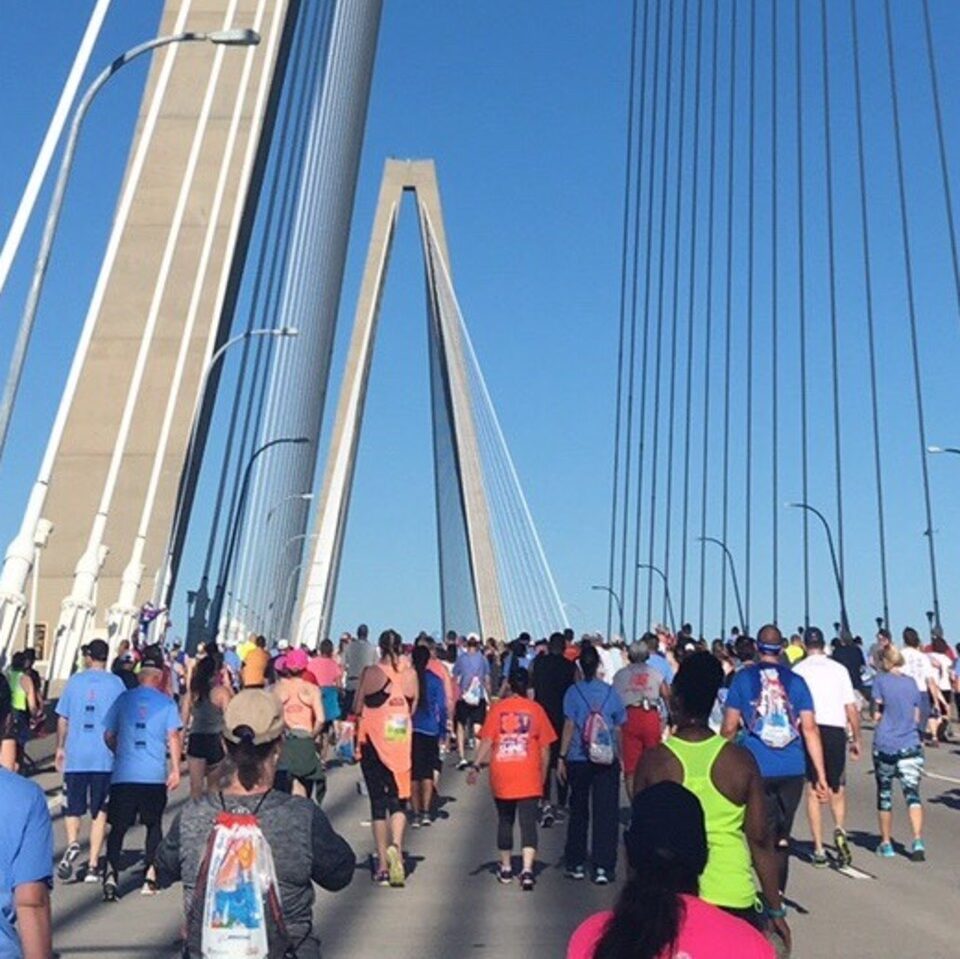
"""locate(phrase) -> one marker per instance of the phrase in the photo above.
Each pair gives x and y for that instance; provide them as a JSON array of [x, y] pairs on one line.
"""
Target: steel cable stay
[[774, 313], [802, 313], [624, 255], [911, 309], [658, 355], [647, 272], [631, 362], [707, 342], [871, 330], [728, 326], [751, 231], [678, 209], [831, 264], [691, 304]]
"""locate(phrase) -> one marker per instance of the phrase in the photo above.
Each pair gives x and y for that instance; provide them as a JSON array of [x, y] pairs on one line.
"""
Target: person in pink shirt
[[329, 677], [658, 914]]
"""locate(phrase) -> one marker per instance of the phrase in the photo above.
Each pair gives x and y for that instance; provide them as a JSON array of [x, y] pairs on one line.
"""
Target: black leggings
[[507, 810], [381, 785]]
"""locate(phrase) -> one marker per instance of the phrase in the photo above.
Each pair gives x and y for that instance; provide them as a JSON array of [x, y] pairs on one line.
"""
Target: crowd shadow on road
[[492, 867], [950, 799]]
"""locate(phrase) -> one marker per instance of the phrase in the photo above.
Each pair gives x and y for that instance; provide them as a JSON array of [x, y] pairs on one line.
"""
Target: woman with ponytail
[[304, 847], [385, 703], [658, 914]]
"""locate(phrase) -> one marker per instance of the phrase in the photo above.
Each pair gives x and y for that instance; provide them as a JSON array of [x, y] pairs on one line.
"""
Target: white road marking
[[946, 779]]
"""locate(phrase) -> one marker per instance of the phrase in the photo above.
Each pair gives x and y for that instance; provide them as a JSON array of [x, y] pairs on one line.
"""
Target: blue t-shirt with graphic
[[580, 700], [142, 719], [770, 698], [26, 850], [84, 703]]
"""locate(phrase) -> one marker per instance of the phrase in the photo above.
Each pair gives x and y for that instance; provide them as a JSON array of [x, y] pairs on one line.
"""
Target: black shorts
[[782, 794], [468, 715], [86, 791], [132, 801], [834, 741], [426, 756], [208, 746]]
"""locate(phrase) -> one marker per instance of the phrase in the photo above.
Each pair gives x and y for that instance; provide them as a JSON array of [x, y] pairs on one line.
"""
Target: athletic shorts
[[782, 794], [132, 801], [86, 791], [467, 715], [208, 746], [426, 756], [640, 732], [834, 741]]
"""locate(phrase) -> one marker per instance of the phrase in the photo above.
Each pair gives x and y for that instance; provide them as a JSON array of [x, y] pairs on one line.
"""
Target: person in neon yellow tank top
[[726, 780]]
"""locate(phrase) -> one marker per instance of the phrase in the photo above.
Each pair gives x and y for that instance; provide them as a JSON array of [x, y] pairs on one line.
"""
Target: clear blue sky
[[523, 108]]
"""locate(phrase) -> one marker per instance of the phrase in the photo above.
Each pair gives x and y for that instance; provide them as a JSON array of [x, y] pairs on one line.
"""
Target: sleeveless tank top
[[206, 718], [297, 709], [18, 695], [728, 878], [388, 726]]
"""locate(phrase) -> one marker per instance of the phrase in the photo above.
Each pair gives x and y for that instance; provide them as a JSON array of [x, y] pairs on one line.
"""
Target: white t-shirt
[[830, 687], [942, 667], [611, 662], [917, 666]]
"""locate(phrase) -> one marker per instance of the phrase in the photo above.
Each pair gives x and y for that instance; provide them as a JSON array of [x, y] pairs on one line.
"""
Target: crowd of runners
[[716, 748]]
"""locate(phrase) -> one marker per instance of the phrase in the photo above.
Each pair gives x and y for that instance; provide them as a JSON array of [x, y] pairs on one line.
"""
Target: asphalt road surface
[[452, 905]]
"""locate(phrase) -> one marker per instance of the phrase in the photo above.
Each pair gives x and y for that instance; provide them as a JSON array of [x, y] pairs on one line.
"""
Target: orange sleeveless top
[[389, 727]]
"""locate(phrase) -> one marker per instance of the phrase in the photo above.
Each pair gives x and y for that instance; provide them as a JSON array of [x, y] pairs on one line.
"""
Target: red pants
[[640, 732]]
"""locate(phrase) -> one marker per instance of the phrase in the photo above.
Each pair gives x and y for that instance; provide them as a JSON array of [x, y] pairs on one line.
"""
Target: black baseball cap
[[97, 650], [152, 658]]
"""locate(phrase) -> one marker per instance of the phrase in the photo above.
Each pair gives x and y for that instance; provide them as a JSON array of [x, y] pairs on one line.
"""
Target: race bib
[[397, 728]]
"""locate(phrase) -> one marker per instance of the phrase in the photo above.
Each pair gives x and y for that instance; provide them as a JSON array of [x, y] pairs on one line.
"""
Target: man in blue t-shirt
[[592, 784], [775, 708], [26, 865], [142, 725], [471, 672], [82, 755]]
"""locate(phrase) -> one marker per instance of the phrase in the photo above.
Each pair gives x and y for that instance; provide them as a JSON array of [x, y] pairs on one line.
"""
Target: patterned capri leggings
[[906, 765]]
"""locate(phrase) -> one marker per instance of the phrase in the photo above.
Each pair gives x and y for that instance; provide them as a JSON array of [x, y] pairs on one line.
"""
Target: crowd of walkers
[[716, 749]]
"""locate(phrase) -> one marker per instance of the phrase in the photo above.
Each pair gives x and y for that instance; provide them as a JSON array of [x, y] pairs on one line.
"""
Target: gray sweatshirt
[[305, 850]]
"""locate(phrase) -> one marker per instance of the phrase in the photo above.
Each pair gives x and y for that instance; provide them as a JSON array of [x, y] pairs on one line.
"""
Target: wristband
[[780, 913]]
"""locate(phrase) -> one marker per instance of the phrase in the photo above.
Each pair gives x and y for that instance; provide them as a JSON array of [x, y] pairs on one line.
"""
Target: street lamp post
[[728, 558], [19, 556], [666, 592], [616, 599], [217, 605], [164, 578], [844, 620], [236, 37]]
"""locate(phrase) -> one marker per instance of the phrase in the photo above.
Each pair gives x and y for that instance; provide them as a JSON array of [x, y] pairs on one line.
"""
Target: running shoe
[[149, 887], [395, 871], [527, 881], [426, 819], [93, 875], [918, 852], [843, 847], [885, 850], [505, 876], [600, 877], [463, 764], [381, 877], [65, 868], [576, 872], [547, 818], [819, 859], [110, 888], [415, 821]]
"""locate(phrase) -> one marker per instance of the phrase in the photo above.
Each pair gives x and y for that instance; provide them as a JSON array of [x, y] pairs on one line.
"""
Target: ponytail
[[248, 757], [649, 913]]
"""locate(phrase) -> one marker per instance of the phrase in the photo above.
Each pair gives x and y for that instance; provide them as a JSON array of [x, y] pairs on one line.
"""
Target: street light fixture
[[616, 599], [164, 579], [943, 449], [844, 621], [236, 38], [217, 605], [728, 558], [666, 592]]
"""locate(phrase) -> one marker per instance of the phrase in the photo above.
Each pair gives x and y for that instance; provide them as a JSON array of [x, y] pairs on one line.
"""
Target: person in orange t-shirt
[[515, 741], [254, 669]]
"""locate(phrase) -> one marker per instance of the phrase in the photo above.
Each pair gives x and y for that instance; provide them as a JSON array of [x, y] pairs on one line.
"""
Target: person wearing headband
[[774, 706], [659, 913], [305, 848]]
